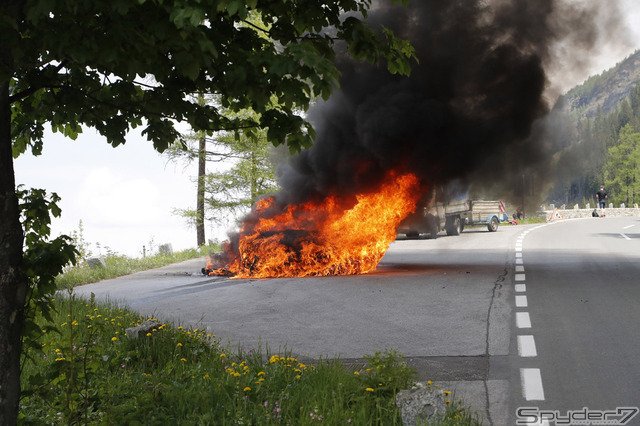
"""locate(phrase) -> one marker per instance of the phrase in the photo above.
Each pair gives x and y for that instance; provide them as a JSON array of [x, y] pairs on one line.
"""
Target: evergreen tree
[[622, 175]]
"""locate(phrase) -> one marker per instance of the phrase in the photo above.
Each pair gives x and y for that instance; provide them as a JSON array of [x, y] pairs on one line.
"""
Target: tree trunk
[[12, 279], [202, 169]]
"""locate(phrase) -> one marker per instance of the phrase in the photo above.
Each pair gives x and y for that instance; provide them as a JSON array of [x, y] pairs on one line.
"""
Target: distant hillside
[[605, 90]]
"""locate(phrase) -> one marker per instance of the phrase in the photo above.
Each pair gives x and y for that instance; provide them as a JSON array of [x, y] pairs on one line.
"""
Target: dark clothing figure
[[602, 197]]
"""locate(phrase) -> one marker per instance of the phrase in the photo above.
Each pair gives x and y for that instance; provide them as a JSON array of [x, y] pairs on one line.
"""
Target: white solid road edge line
[[532, 384], [527, 346]]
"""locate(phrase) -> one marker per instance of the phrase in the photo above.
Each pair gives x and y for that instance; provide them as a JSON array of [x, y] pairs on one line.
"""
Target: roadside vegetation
[[119, 265], [84, 370], [532, 219]]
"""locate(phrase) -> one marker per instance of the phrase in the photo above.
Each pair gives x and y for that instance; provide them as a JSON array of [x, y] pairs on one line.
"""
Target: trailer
[[450, 212]]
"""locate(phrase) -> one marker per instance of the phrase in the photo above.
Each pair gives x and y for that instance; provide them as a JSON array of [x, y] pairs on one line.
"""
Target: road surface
[[579, 283], [455, 307]]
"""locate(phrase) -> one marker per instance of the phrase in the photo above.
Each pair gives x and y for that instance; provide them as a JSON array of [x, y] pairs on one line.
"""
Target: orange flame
[[319, 239]]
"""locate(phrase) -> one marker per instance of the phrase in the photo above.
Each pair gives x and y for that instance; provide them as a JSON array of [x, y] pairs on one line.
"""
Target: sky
[[124, 196]]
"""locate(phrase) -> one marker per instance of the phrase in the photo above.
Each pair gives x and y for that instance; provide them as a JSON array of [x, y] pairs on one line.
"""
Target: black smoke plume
[[470, 110]]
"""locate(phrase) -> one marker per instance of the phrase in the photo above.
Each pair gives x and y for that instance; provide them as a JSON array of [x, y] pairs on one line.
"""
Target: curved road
[[530, 316]]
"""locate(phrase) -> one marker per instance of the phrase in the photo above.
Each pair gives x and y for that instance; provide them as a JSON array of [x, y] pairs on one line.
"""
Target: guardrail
[[548, 211]]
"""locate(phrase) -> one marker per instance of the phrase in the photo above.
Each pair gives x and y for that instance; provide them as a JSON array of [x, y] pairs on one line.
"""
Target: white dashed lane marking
[[523, 320], [532, 384], [527, 346], [531, 378]]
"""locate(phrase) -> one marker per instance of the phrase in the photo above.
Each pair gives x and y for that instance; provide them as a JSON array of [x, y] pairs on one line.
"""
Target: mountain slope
[[604, 91]]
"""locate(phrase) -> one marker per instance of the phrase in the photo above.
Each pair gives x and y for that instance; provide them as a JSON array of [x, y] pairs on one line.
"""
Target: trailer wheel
[[493, 224], [454, 227]]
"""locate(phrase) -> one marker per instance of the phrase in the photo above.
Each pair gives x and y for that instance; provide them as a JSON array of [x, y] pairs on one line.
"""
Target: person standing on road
[[601, 195]]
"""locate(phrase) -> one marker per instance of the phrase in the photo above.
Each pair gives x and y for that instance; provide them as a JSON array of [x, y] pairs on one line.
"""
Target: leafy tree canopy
[[119, 64]]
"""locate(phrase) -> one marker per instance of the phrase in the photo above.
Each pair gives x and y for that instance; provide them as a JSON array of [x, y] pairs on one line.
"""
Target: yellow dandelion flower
[[357, 373], [148, 334], [274, 359], [260, 380], [179, 344], [180, 328], [298, 376], [429, 382], [114, 338], [233, 364], [247, 389], [183, 359], [236, 374], [369, 389], [447, 402], [223, 356], [261, 373], [447, 392]]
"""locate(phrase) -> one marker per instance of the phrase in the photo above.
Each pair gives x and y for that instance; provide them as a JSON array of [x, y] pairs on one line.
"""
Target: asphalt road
[[452, 306], [582, 289]]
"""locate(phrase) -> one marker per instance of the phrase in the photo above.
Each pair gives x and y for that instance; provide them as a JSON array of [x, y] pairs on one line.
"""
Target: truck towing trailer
[[451, 210]]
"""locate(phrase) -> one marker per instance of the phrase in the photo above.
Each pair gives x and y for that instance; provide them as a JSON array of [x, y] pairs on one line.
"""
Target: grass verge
[[118, 265], [87, 372]]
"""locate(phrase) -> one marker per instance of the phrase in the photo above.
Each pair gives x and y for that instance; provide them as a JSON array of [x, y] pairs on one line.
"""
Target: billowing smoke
[[468, 111]]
